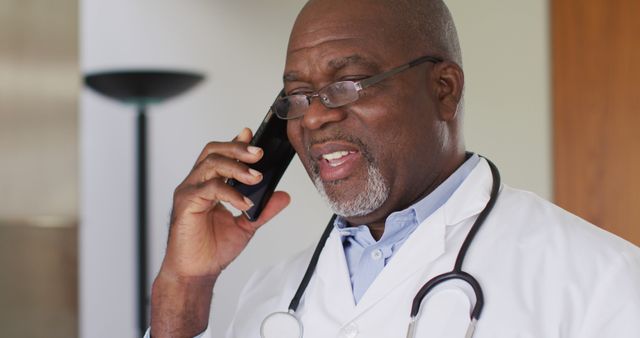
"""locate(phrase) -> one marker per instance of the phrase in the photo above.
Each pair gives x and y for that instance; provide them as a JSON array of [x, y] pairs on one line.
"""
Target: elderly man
[[383, 145]]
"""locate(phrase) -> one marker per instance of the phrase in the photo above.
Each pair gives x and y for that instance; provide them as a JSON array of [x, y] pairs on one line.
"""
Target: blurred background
[[550, 97]]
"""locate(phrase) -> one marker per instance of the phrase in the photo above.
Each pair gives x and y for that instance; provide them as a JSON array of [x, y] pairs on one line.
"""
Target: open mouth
[[336, 160]]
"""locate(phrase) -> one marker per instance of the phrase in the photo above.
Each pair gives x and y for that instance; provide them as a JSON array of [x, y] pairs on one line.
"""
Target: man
[[392, 164]]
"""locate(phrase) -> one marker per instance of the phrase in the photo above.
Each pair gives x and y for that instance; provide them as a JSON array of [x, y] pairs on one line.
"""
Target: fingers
[[216, 165], [245, 136], [205, 185], [227, 160], [200, 198], [238, 149]]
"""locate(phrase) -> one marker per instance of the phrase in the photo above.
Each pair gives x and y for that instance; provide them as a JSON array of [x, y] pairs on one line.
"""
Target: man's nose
[[318, 115]]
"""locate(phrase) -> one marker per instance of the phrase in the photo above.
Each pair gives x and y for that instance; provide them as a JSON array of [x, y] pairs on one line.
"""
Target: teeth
[[335, 155]]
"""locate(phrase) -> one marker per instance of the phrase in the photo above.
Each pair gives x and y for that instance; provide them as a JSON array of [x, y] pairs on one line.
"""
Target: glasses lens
[[338, 94], [281, 107], [290, 107]]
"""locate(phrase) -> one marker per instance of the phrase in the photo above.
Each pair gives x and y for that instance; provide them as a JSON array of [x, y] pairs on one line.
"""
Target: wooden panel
[[596, 89], [39, 279], [39, 86]]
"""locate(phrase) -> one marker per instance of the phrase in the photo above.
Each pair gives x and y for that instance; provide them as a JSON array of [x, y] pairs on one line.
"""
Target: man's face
[[378, 154]]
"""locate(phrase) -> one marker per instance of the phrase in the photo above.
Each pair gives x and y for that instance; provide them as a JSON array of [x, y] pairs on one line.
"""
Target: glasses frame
[[358, 85]]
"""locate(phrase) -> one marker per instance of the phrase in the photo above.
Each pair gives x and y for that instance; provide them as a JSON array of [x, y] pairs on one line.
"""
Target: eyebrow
[[337, 64], [356, 59]]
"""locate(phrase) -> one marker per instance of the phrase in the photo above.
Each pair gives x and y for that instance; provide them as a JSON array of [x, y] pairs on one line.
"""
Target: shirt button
[[350, 331], [376, 254]]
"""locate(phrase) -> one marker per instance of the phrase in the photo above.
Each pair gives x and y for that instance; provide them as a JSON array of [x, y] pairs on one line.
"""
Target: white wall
[[506, 55], [240, 45]]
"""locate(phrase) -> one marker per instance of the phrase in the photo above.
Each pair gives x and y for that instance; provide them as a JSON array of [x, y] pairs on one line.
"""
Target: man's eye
[[299, 92], [354, 78]]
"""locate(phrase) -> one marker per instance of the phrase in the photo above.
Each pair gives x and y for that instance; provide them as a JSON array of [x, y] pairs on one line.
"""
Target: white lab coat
[[545, 273]]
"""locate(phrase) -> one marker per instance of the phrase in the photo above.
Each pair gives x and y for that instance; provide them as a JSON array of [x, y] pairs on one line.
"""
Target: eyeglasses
[[339, 93]]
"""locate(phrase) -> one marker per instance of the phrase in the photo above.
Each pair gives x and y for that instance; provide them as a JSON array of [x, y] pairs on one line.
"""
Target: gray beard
[[369, 199]]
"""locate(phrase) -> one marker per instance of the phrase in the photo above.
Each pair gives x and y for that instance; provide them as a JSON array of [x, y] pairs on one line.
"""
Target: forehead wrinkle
[[303, 42]]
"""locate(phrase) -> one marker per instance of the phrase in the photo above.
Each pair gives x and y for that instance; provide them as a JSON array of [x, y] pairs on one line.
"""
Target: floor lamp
[[142, 88]]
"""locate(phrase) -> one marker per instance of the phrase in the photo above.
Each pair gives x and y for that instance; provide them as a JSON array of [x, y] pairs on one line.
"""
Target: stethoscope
[[287, 325]]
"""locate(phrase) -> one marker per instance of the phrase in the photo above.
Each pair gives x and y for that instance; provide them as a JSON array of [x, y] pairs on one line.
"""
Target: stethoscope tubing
[[295, 301], [456, 273]]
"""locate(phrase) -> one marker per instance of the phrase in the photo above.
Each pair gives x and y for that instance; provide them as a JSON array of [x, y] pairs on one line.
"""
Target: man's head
[[402, 137]]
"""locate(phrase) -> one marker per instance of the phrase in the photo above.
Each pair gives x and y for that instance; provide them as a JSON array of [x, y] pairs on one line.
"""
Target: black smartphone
[[271, 136]]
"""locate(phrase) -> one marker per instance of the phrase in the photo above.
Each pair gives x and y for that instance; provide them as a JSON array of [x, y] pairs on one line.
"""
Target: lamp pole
[[142, 229], [142, 88]]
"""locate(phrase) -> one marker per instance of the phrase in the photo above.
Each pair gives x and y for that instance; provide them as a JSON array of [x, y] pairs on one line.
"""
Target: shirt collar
[[415, 214], [437, 198]]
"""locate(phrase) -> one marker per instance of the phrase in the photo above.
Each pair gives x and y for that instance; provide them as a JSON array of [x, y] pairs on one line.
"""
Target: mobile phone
[[271, 136]]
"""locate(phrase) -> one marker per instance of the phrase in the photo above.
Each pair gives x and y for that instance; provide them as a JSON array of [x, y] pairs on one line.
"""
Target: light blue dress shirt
[[366, 257]]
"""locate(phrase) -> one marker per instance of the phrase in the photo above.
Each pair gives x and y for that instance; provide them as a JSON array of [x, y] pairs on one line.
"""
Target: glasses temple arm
[[377, 78]]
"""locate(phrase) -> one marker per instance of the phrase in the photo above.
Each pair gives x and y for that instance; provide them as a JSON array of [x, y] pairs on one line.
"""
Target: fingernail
[[254, 172], [254, 150], [248, 201]]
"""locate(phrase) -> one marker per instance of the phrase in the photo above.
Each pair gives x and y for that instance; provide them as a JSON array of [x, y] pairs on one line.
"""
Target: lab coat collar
[[425, 245], [471, 197]]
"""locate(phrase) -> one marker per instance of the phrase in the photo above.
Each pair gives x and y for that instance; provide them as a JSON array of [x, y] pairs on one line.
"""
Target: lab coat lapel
[[418, 257], [333, 278], [471, 197], [425, 245], [429, 241]]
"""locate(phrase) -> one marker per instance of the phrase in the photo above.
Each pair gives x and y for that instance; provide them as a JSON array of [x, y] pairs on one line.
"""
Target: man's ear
[[449, 83]]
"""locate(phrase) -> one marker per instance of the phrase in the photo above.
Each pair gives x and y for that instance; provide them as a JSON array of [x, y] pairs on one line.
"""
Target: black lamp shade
[[142, 86]]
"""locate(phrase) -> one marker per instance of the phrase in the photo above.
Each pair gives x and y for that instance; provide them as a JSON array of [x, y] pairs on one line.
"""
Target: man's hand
[[205, 237]]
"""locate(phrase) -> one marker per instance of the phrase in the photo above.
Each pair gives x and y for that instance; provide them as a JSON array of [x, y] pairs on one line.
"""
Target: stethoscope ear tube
[[411, 331], [460, 275]]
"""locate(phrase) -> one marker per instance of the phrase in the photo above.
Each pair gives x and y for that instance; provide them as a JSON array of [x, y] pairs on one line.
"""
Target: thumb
[[245, 135]]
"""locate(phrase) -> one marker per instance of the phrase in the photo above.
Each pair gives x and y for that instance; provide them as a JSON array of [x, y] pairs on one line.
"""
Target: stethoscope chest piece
[[281, 325]]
